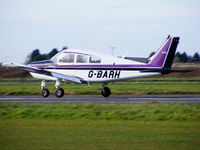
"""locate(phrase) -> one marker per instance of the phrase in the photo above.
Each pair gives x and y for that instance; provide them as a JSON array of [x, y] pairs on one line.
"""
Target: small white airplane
[[81, 66]]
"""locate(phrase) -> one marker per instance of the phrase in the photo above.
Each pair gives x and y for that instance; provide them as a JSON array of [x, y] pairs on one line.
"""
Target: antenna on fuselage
[[64, 48], [112, 50]]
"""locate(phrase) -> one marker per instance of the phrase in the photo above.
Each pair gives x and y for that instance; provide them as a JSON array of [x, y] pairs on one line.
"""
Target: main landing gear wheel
[[45, 92], [105, 92], [59, 92]]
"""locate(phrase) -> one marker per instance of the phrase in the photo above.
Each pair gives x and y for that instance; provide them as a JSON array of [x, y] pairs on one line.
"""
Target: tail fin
[[165, 55]]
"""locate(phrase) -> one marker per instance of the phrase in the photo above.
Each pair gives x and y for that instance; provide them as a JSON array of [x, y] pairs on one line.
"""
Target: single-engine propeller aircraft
[[81, 66]]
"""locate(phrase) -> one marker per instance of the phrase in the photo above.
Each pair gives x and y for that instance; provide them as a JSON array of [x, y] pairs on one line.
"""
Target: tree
[[40, 57], [52, 53], [184, 57], [32, 57], [34, 54], [196, 58], [177, 57], [37, 56]]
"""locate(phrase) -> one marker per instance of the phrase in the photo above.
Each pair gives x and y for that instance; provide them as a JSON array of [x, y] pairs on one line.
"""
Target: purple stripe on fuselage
[[95, 66]]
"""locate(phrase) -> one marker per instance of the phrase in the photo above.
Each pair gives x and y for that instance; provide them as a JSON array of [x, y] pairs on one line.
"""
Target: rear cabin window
[[67, 58], [95, 59], [81, 59]]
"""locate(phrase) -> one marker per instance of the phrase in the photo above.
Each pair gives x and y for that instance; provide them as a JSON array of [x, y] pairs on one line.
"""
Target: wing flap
[[66, 77]]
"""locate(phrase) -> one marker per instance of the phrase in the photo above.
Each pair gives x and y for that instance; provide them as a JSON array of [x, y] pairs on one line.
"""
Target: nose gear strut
[[59, 91]]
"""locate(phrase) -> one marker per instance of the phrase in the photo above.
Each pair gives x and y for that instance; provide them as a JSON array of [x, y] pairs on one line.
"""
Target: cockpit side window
[[67, 58], [82, 59], [95, 59]]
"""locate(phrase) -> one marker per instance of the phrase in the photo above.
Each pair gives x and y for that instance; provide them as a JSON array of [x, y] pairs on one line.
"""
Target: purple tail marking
[[158, 59]]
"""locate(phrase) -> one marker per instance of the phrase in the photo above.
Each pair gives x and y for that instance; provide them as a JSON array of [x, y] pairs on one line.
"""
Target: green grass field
[[116, 88], [99, 127], [51, 134]]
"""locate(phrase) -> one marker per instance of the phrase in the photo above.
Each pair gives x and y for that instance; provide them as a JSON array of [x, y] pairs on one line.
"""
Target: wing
[[44, 72]]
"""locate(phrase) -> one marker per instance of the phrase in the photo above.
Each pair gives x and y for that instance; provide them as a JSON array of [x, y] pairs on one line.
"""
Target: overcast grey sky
[[135, 27]]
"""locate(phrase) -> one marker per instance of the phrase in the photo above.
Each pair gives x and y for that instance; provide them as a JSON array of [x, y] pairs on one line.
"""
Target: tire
[[59, 93], [45, 93], [105, 92]]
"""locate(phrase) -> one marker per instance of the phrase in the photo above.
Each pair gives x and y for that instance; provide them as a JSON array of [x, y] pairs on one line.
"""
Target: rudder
[[171, 53]]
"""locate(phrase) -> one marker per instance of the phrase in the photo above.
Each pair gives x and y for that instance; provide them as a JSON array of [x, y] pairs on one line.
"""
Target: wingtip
[[11, 65]]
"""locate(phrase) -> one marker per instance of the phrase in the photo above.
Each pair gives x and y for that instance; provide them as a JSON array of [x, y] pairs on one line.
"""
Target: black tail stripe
[[171, 54]]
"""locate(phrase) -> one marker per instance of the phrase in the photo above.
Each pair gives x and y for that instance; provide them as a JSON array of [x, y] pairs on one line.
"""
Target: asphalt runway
[[98, 99]]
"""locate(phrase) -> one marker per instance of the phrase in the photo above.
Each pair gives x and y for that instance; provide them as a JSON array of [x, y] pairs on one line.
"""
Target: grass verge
[[144, 112], [116, 88]]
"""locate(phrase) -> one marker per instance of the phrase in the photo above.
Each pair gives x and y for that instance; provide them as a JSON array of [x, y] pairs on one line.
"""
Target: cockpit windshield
[[55, 57]]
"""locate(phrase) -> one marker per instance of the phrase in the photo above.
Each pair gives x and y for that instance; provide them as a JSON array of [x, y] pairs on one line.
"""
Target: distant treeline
[[35, 55], [184, 57], [179, 57]]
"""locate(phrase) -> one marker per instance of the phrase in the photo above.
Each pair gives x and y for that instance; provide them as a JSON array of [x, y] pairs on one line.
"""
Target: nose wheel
[[59, 91], [45, 92]]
